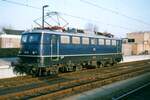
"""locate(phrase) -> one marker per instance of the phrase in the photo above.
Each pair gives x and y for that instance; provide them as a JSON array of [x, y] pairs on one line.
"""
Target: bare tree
[[91, 27]]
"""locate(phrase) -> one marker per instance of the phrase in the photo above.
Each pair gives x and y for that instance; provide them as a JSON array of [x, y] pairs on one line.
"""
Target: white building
[[10, 38], [9, 41]]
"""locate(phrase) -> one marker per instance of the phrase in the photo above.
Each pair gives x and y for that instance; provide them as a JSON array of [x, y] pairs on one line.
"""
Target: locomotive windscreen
[[31, 38]]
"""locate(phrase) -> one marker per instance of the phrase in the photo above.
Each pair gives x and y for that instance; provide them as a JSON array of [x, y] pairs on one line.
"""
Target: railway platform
[[5, 70], [117, 90]]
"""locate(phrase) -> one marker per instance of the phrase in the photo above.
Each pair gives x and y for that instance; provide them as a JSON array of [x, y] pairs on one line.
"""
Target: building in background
[[136, 43], [10, 38]]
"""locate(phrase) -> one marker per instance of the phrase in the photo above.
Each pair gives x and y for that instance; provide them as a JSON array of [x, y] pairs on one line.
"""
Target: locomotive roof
[[69, 34]]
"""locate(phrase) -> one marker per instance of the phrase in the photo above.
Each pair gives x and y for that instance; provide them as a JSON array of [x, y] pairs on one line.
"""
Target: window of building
[[94, 41], [131, 40], [76, 40], [85, 40], [108, 42], [65, 39], [9, 42], [101, 41], [114, 42]]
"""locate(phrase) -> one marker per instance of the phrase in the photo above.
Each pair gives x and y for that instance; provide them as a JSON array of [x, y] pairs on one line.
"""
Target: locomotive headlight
[[26, 52], [19, 52], [34, 52]]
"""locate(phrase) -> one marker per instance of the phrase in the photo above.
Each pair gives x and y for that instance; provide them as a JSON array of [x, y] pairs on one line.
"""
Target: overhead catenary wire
[[78, 17], [115, 12], [93, 20], [21, 4]]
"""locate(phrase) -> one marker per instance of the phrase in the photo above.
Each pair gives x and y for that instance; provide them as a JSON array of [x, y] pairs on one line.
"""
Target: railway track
[[93, 83], [70, 83], [24, 80]]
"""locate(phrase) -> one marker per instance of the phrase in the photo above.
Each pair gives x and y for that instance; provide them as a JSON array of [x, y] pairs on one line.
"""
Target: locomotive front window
[[34, 38], [24, 38]]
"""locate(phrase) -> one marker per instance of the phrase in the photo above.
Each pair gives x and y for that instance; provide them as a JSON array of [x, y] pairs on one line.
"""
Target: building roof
[[10, 36], [12, 31], [140, 32]]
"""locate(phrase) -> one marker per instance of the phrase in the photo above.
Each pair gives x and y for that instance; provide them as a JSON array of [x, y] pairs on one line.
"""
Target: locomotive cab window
[[24, 38], [76, 40], [65, 39]]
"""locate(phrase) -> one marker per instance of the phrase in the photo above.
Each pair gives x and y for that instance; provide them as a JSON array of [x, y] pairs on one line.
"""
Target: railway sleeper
[[106, 80], [86, 86]]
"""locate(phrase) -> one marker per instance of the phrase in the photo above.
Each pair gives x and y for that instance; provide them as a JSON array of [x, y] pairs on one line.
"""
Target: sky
[[115, 16]]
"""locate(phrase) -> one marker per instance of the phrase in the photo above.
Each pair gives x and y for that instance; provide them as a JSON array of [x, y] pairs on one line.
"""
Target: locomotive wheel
[[33, 72], [54, 73], [114, 63], [79, 67], [101, 65], [74, 68], [39, 72], [63, 69], [98, 64]]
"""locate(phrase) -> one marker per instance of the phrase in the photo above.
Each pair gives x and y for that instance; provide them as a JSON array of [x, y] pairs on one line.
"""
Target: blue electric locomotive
[[46, 52]]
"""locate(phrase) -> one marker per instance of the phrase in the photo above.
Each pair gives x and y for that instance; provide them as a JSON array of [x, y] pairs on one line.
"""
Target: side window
[[65, 39], [101, 42], [108, 42], [114, 42], [85, 40], [76, 40], [93, 41]]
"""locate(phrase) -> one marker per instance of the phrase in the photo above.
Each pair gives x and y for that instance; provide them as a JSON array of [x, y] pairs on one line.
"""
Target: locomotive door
[[54, 47], [118, 46]]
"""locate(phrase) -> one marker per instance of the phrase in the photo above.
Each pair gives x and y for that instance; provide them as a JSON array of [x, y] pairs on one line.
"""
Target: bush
[[9, 52]]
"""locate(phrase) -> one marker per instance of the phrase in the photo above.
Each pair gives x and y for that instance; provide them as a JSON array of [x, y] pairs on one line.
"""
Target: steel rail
[[56, 86]]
